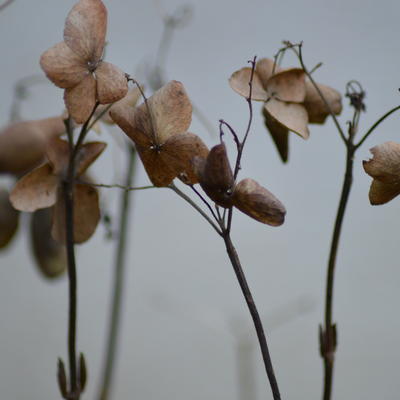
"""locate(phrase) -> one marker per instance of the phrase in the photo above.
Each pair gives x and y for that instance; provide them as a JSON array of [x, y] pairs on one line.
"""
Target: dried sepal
[[258, 203], [37, 189], [288, 85], [265, 68], [381, 192], [216, 176], [315, 106], [50, 256], [239, 82], [23, 144], [9, 218]]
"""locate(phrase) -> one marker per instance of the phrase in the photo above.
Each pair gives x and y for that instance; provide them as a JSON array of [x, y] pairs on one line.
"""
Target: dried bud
[[8, 219], [82, 372], [62, 379], [50, 256], [215, 175], [257, 202]]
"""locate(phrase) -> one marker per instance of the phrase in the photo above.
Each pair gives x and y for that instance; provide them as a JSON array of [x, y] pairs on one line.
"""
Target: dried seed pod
[[258, 203], [50, 256], [215, 175], [9, 217]]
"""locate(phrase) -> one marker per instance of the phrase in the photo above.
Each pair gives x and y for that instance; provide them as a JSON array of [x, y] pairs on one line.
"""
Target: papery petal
[[385, 164], [258, 203], [315, 106], [86, 214], [279, 134], [50, 256], [87, 154], [124, 116], [57, 152], [381, 193], [178, 152], [171, 113], [291, 115], [112, 84], [9, 218], [35, 190], [264, 69], [63, 67], [85, 29], [239, 82], [81, 99], [288, 85], [22, 144]]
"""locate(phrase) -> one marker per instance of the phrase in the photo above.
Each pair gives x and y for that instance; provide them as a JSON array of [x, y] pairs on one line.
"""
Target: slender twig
[[205, 202], [115, 186], [118, 286], [99, 116], [5, 4], [195, 206], [375, 125]]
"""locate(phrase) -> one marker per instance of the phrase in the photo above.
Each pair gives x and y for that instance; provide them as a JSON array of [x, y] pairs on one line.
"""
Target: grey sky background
[[184, 314]]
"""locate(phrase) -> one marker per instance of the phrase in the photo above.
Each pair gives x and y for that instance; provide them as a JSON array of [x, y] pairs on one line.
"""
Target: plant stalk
[[234, 258], [119, 274]]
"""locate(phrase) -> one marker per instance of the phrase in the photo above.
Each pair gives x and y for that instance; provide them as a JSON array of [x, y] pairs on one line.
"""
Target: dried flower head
[[22, 144], [159, 130], [384, 167], [76, 64], [216, 179], [42, 187]]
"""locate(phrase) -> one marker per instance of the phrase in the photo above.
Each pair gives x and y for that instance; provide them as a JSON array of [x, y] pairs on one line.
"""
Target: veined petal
[[85, 29], [288, 85], [112, 84], [35, 190], [381, 193], [385, 164], [81, 99], [291, 115], [62, 66], [239, 82]]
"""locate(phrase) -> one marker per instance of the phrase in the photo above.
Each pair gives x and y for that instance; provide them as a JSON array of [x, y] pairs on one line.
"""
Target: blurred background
[[186, 331]]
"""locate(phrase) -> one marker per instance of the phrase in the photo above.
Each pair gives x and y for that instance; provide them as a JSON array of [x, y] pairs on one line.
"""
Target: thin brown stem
[[115, 186], [119, 274], [233, 256]]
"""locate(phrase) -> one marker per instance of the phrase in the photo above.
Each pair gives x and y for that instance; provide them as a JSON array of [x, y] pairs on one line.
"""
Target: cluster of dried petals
[[291, 102], [216, 179], [76, 64], [42, 188], [384, 167], [22, 144], [158, 128]]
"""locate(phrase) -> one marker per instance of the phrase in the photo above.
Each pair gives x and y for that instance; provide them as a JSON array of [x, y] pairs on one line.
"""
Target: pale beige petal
[[124, 116], [258, 203], [87, 154], [50, 256], [381, 193], [315, 106], [81, 99], [9, 218], [62, 66], [170, 110], [112, 84], [264, 69], [239, 82], [385, 164], [85, 29], [86, 214], [279, 134], [178, 152], [35, 190], [288, 85], [291, 115], [22, 144]]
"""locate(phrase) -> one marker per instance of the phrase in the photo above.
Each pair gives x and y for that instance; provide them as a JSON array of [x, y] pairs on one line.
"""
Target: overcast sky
[[184, 316]]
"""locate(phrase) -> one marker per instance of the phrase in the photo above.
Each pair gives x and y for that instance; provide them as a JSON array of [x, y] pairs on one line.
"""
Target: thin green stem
[[119, 274], [375, 125]]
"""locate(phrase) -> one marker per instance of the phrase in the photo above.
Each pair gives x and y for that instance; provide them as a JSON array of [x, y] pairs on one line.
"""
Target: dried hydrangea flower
[[384, 167], [216, 179], [42, 188], [22, 144], [76, 64], [159, 131]]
